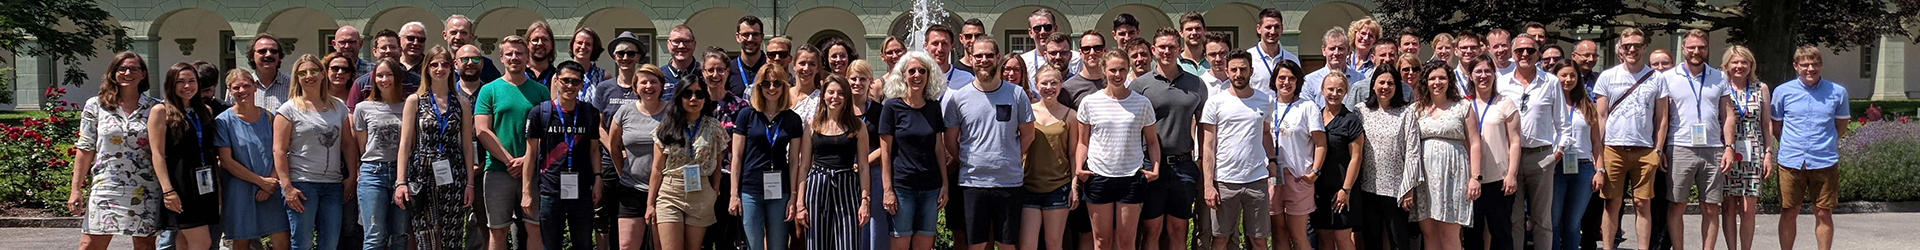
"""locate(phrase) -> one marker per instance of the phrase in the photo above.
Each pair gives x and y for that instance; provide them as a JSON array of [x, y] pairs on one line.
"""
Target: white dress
[[1439, 185]]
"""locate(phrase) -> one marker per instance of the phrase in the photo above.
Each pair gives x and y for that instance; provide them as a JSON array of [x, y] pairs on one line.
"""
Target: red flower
[[1904, 120]]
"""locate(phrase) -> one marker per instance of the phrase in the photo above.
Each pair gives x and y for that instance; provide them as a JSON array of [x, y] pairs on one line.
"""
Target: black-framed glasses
[[416, 39], [1093, 47], [1059, 53], [1634, 45], [970, 36], [570, 81], [266, 51], [1525, 51], [777, 55], [1041, 28]]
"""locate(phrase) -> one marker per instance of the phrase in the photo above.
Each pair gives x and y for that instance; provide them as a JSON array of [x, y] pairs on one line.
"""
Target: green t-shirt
[[508, 104]]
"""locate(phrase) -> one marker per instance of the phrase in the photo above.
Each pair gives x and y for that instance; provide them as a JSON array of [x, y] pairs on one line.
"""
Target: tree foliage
[[62, 30]]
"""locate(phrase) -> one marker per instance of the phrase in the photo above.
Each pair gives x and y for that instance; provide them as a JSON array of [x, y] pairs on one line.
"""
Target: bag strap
[[1623, 97]]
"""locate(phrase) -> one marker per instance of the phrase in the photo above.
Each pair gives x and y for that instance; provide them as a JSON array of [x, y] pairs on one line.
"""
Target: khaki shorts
[[1241, 203], [676, 205], [1630, 168], [1821, 185]]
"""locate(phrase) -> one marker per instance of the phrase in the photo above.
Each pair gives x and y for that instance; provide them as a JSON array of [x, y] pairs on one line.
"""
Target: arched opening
[[716, 26], [392, 19], [194, 34], [609, 22], [1315, 24], [500, 23], [301, 31], [1237, 21], [824, 23]]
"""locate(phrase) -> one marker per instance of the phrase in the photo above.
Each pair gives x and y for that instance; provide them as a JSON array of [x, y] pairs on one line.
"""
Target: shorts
[[1104, 190], [1171, 195], [675, 205], [918, 213], [987, 219], [503, 200], [632, 202], [1050, 200], [1696, 167], [1821, 185], [1629, 169], [1241, 203], [1295, 197]]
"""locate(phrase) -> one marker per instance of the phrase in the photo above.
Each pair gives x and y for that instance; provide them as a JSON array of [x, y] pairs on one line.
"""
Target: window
[[1232, 33], [326, 42], [1869, 54], [228, 53], [1018, 42]]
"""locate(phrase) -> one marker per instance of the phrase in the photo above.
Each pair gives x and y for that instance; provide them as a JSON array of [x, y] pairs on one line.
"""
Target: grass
[[14, 117]]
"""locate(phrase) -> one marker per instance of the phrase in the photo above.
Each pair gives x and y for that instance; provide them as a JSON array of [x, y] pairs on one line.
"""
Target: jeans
[[1492, 215], [765, 221], [878, 230], [574, 216], [1571, 192], [918, 212], [166, 238], [385, 223], [322, 218]]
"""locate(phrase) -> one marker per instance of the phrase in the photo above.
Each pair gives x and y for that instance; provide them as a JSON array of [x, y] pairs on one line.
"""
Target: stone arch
[[903, 22], [716, 26], [194, 34], [1014, 23], [827, 22], [609, 22], [499, 23], [301, 30], [392, 19], [1151, 18], [1315, 24], [1239, 18]]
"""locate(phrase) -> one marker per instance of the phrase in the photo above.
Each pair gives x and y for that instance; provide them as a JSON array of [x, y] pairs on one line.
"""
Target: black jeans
[[1492, 214], [569, 219], [1385, 224]]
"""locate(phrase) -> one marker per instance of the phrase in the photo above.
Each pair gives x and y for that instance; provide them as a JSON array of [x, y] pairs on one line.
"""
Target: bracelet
[[167, 192]]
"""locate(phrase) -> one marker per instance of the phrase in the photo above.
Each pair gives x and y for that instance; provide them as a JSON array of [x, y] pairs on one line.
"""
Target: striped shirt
[[1115, 147]]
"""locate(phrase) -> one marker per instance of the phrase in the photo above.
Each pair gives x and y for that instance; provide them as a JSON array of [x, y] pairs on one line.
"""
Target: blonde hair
[[1630, 32], [897, 81], [297, 94], [236, 77], [1737, 51], [1808, 52], [436, 53], [1364, 24], [767, 76], [860, 66]]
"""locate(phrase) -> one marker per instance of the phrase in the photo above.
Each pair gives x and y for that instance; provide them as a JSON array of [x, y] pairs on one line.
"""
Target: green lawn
[[13, 117]]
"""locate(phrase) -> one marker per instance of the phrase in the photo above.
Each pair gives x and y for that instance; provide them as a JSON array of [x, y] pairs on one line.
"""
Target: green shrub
[[1879, 161], [38, 155], [1890, 108]]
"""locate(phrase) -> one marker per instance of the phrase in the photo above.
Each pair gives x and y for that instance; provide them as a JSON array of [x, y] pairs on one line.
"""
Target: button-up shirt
[[1311, 85], [1540, 102], [1630, 123], [1695, 100], [1808, 137], [1264, 65]]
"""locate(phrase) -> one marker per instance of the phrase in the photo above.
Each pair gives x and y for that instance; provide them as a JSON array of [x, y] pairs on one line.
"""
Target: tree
[[1771, 28], [63, 30]]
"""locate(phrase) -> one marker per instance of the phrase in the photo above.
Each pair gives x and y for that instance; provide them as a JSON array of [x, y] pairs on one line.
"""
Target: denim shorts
[[1050, 200], [919, 212]]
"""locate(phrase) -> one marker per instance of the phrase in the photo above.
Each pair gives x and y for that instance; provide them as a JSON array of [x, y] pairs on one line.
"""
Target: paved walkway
[[1855, 231]]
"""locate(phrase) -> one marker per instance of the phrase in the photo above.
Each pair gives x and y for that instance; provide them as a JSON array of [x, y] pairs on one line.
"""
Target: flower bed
[[35, 160], [1879, 161]]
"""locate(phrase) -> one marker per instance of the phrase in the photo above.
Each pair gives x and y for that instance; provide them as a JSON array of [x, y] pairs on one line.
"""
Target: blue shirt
[[1808, 138]]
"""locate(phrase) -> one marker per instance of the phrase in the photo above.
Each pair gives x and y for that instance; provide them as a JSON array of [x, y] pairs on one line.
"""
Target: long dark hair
[[1576, 97], [1425, 93], [1397, 101], [175, 122], [844, 117], [673, 118]]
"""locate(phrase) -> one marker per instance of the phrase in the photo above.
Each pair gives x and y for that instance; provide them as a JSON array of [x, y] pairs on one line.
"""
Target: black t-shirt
[[765, 147], [556, 156], [1341, 132], [916, 132]]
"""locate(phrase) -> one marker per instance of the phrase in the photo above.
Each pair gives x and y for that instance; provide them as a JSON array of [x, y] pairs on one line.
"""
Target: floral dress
[[437, 214], [124, 197], [1439, 184], [1748, 146]]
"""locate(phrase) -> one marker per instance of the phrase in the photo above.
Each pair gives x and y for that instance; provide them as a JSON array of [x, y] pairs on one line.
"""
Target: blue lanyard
[[743, 72], [568, 139], [1282, 118], [692, 133], [1745, 96], [198, 138], [773, 135], [434, 103], [1697, 85], [1264, 59]]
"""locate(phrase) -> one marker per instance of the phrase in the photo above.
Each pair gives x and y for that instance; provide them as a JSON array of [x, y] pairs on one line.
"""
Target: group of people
[[1497, 139]]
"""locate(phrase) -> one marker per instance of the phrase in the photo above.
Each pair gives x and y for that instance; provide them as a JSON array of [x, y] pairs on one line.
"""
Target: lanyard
[[773, 135], [1745, 96], [743, 72], [1264, 59], [198, 138], [692, 133], [434, 104], [1697, 85], [950, 70], [567, 124], [1282, 118]]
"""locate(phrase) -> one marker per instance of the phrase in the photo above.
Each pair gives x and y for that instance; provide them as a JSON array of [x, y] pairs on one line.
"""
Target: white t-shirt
[[1216, 85], [1293, 128], [1695, 101], [1238, 123], [1631, 124], [1115, 147], [1263, 66]]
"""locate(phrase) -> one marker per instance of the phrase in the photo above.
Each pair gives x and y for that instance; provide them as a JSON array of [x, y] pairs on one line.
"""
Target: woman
[[761, 160], [113, 153], [834, 197], [341, 72], [309, 139], [376, 122], [1300, 137], [1574, 184], [632, 125], [909, 125], [1439, 185], [1443, 49], [1333, 185], [1499, 129], [585, 49], [839, 56], [1049, 175], [688, 144], [1014, 70], [1409, 69], [1751, 141], [866, 104], [1111, 166], [1389, 135], [892, 49], [253, 206], [804, 95], [186, 172], [436, 130]]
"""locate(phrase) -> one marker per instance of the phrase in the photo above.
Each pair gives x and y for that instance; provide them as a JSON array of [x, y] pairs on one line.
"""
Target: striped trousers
[[833, 199]]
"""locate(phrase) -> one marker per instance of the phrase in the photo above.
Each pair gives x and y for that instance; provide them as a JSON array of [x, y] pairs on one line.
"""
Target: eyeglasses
[[970, 36], [570, 81], [1525, 51], [266, 51], [1041, 28], [681, 42], [626, 53], [777, 55], [1093, 47], [475, 59], [131, 69], [917, 71], [340, 69], [416, 39], [306, 73], [1633, 45], [774, 84]]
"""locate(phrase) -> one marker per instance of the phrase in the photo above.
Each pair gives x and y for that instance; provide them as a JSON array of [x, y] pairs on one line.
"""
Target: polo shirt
[[1694, 99]]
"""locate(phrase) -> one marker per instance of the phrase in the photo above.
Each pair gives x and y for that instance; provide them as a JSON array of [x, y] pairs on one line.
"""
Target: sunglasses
[[471, 59], [1093, 47], [694, 95], [917, 71], [774, 84], [1041, 28], [1526, 51], [306, 73], [266, 51], [776, 55], [626, 53], [970, 36], [340, 69], [1634, 45], [416, 39], [570, 81]]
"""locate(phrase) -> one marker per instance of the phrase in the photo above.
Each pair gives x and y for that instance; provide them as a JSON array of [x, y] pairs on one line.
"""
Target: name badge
[[1699, 134], [442, 172], [1569, 165], [692, 172], [569, 186], [770, 183], [203, 178]]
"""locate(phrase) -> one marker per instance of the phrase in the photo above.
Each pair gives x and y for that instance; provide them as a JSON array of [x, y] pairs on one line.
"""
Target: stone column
[[1890, 76], [148, 47], [32, 74]]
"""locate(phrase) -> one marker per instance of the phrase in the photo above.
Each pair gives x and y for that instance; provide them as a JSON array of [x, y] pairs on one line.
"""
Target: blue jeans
[[878, 231], [384, 222], [765, 220], [919, 212], [322, 218], [574, 216], [1571, 192]]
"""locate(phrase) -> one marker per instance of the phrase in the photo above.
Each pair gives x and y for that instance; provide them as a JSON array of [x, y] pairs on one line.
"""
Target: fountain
[[925, 13]]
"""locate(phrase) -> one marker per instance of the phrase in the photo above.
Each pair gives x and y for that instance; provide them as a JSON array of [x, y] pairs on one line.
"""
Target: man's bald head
[[346, 38], [1586, 54], [468, 61]]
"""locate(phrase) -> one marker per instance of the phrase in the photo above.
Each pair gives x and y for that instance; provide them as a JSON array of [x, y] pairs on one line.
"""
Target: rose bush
[[36, 158]]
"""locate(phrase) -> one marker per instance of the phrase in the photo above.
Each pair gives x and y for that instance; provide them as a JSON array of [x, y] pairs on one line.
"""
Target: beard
[[470, 75]]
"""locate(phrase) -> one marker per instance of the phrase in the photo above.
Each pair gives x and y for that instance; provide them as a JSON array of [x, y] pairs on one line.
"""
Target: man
[[1139, 58], [1040, 27], [1337, 50], [1177, 101], [970, 30], [1628, 95], [409, 81], [386, 44], [1810, 114], [1501, 48], [1125, 27], [1586, 55], [413, 45], [747, 32], [997, 129], [1217, 78], [1088, 80], [940, 46], [265, 59], [540, 47], [500, 119], [1409, 41], [1701, 110], [1550, 54], [1542, 113], [347, 38], [459, 33], [468, 64], [1193, 29], [1538, 31], [1469, 46], [1382, 59], [1235, 168], [1269, 51], [567, 155], [682, 66]]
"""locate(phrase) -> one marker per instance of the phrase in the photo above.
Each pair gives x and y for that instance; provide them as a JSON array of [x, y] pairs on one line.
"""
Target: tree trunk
[[1772, 35]]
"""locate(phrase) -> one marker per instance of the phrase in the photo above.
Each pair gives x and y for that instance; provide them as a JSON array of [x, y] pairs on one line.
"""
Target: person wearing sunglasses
[[761, 162], [970, 30], [1631, 110], [1536, 93], [1055, 50], [1088, 80], [1269, 52], [265, 57], [560, 182], [1552, 54], [413, 45]]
